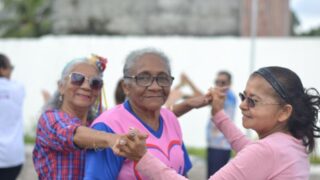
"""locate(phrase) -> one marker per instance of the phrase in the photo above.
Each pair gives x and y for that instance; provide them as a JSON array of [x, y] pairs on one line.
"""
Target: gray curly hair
[[134, 56]]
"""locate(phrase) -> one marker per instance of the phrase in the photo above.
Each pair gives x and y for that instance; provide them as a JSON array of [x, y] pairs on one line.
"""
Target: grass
[[202, 153], [199, 152], [315, 159]]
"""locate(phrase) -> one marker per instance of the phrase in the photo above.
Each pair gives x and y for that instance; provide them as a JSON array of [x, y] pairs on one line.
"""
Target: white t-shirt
[[11, 123]]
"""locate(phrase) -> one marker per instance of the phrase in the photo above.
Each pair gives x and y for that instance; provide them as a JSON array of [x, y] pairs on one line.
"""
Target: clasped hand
[[131, 145]]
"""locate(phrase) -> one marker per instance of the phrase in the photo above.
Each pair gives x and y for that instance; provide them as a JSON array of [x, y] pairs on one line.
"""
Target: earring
[[60, 98]]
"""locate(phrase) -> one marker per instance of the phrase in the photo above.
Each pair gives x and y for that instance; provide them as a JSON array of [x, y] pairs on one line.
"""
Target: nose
[[154, 84], [86, 84], [244, 105]]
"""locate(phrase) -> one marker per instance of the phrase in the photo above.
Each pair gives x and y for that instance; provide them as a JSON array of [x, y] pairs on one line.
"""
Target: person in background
[[119, 95], [219, 149], [187, 102], [12, 96], [282, 112], [146, 83], [63, 134]]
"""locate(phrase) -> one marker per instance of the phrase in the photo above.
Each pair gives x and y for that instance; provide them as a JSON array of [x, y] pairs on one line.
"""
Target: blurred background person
[[119, 95], [219, 149], [12, 96]]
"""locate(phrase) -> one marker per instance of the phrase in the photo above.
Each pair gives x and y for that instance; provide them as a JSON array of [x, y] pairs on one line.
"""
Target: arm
[[61, 133], [103, 163], [153, 168], [190, 103], [56, 131], [235, 137], [186, 81], [88, 138], [254, 162]]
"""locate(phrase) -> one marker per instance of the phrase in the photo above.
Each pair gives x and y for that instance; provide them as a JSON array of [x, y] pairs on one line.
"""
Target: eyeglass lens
[[147, 80], [77, 79], [250, 101]]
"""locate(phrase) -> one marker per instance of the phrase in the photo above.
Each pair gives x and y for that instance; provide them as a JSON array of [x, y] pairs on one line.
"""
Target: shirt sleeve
[[233, 134], [153, 168], [102, 164], [255, 161], [187, 161], [56, 131]]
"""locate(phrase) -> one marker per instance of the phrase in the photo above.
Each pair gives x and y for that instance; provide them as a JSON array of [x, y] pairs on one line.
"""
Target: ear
[[285, 113], [61, 87], [125, 86]]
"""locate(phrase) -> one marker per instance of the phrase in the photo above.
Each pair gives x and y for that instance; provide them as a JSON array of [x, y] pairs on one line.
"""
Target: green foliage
[[312, 32], [199, 152], [26, 18], [28, 139]]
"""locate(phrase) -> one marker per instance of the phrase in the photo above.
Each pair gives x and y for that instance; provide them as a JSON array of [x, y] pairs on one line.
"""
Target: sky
[[308, 12]]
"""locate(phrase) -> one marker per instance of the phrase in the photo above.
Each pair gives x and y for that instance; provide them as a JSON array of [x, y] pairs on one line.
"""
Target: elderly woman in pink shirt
[[282, 112]]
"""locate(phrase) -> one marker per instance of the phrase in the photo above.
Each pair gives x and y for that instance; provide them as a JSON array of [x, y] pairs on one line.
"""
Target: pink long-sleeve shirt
[[277, 156]]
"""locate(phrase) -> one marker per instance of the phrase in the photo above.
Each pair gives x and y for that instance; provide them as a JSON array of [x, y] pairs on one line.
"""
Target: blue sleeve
[[187, 161], [102, 164]]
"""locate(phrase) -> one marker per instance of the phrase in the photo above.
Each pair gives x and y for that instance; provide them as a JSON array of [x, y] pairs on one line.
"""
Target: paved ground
[[197, 172]]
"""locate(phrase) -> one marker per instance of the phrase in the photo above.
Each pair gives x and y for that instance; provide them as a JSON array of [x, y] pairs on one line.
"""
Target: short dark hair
[[226, 73], [4, 61], [120, 96], [302, 123]]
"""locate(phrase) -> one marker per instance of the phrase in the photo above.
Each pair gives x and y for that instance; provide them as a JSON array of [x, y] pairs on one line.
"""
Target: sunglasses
[[252, 102], [78, 79]]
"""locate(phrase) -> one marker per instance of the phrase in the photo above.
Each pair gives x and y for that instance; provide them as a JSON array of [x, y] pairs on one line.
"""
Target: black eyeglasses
[[146, 80], [78, 79], [252, 102]]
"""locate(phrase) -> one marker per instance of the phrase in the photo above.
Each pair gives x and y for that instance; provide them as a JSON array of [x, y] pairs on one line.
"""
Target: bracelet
[[96, 148]]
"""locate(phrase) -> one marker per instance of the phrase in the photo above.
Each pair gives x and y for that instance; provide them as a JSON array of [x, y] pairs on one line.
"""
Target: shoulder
[[112, 114], [55, 116]]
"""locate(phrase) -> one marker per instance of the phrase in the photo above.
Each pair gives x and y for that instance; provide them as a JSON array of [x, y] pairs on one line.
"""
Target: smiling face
[[268, 115], [152, 97], [79, 97]]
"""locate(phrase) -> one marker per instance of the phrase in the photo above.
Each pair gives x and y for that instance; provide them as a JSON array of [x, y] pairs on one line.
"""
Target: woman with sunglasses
[[62, 133], [146, 83], [282, 112]]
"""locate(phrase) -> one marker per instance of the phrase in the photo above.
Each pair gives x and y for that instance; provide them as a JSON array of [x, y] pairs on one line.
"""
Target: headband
[[267, 75]]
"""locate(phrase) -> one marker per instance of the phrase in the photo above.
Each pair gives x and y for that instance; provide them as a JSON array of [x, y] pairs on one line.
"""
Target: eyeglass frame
[[86, 79], [252, 102], [151, 82]]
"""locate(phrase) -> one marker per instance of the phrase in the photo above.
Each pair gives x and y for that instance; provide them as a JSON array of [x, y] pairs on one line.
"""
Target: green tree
[[313, 32], [25, 18], [294, 23]]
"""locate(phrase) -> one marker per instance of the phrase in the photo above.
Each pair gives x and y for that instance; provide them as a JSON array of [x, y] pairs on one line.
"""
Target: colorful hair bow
[[100, 62]]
